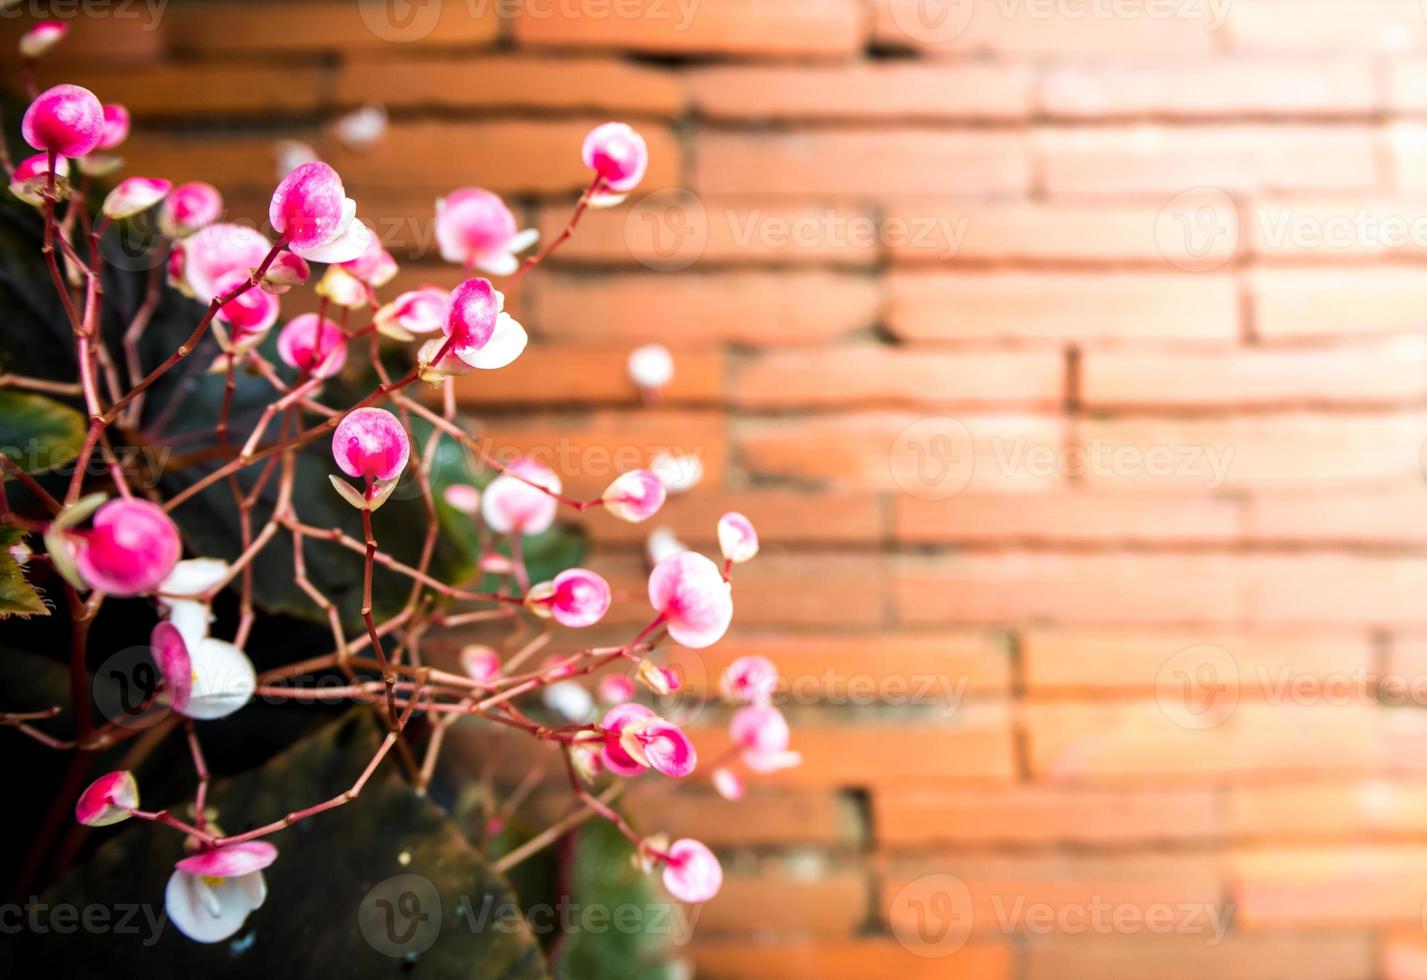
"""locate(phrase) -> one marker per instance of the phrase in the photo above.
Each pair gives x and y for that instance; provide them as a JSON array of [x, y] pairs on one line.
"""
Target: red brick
[[856, 163], [892, 376], [1160, 160], [1307, 886], [206, 90], [1040, 815], [932, 457], [1371, 515], [1064, 307], [1218, 87], [783, 518], [232, 162], [775, 903], [1327, 809], [748, 28], [763, 818], [1255, 956], [856, 959], [1327, 25], [1042, 29], [1069, 516], [1339, 229], [1290, 304], [1361, 374], [895, 90], [267, 27], [585, 373]]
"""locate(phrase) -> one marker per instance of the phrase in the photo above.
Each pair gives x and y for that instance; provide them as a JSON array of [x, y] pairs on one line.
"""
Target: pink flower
[[371, 444], [615, 689], [116, 126], [693, 874], [634, 496], [651, 367], [695, 601], [463, 497], [505, 344], [67, 120], [476, 230], [661, 745], [374, 266], [312, 212], [750, 680], [133, 195], [480, 663], [614, 754], [727, 783], [28, 180], [211, 894], [762, 731], [191, 207], [417, 312], [110, 799], [37, 41], [131, 548], [619, 155], [206, 680], [216, 250], [576, 598], [251, 313], [511, 505], [471, 312], [170, 652], [313, 346], [285, 271], [737, 538]]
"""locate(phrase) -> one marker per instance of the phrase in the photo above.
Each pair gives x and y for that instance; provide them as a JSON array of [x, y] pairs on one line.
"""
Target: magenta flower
[[576, 598], [749, 680], [476, 230], [614, 755], [471, 312], [737, 538], [110, 799], [67, 120], [762, 732], [251, 313], [615, 689], [727, 783], [314, 346], [216, 250], [480, 663], [311, 210], [693, 874], [285, 271], [374, 266], [170, 652], [116, 126], [511, 505], [131, 548], [661, 745], [371, 444], [133, 195], [206, 678], [37, 41], [28, 180], [690, 593], [211, 894], [190, 207], [634, 496], [463, 497], [619, 155], [419, 311]]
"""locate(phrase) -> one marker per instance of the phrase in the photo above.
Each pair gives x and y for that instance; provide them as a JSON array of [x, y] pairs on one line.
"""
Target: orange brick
[[764, 817], [755, 308], [585, 373], [782, 517], [266, 26], [892, 376], [206, 90], [1066, 307], [1159, 160], [847, 960], [1255, 956], [1404, 954], [748, 28], [128, 34], [578, 84], [853, 163], [1370, 515], [774, 903], [1039, 815], [229, 163], [889, 90], [1354, 229], [1215, 87], [1340, 589], [1328, 809], [1070, 516], [1360, 374], [1327, 25], [1290, 304], [1307, 886]]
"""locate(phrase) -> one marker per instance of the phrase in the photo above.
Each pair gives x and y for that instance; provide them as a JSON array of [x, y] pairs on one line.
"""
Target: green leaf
[[384, 887], [17, 596], [38, 432]]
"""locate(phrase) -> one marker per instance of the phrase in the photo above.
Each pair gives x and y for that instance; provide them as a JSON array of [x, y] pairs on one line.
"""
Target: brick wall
[[1068, 355]]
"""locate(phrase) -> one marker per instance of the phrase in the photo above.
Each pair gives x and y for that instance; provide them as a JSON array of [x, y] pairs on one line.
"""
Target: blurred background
[[1067, 354]]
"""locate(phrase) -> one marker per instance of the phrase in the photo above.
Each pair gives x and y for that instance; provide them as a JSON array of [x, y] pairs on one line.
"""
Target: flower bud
[[38, 40], [110, 799], [634, 496], [737, 538], [131, 548], [693, 874], [371, 444], [133, 195], [314, 346], [67, 120], [695, 601]]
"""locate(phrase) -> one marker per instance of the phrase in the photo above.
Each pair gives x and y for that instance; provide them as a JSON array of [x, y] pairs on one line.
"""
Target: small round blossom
[[507, 342], [619, 155], [131, 548], [661, 745], [285, 271], [476, 230], [651, 367], [727, 783], [209, 679], [110, 799], [693, 874], [215, 250], [762, 732], [374, 266], [251, 313], [371, 444], [576, 598], [679, 474], [615, 755], [190, 207], [67, 120], [661, 544], [169, 646], [312, 212], [511, 505], [313, 345], [37, 41], [182, 597], [361, 129], [288, 155], [419, 311], [737, 538], [570, 700], [615, 689], [689, 592], [116, 126], [211, 894], [634, 496], [28, 180], [480, 663], [471, 312], [133, 195], [463, 497], [750, 680]]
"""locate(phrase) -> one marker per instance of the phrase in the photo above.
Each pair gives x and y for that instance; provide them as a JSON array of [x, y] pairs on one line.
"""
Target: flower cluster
[[114, 543]]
